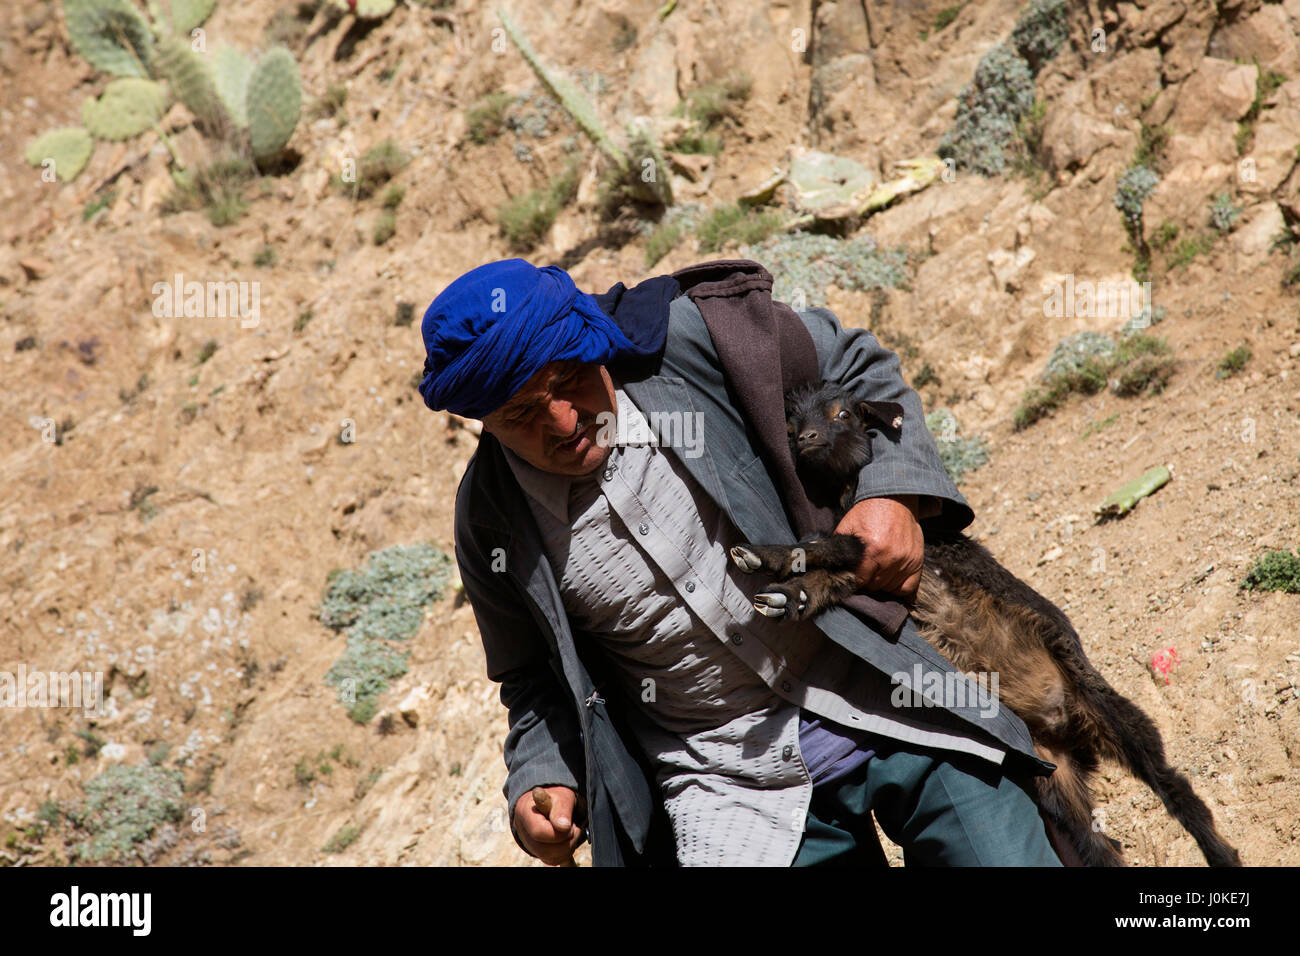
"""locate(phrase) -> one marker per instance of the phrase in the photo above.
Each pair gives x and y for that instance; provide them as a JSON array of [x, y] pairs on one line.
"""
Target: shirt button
[[690, 586], [787, 752], [643, 528], [786, 686], [608, 474], [737, 639]]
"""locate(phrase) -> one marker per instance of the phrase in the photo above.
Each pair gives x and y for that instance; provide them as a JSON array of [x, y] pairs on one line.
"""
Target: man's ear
[[886, 415]]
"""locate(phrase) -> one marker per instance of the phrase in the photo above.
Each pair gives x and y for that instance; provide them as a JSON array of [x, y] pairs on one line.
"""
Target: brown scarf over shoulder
[[749, 328]]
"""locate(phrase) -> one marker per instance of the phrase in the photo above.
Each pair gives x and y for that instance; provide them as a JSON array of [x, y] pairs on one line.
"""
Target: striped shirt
[[719, 691]]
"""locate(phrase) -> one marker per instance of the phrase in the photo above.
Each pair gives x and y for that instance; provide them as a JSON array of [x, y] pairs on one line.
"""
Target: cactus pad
[[188, 14], [111, 35], [69, 147], [375, 9], [274, 103], [230, 73], [190, 81], [128, 107]]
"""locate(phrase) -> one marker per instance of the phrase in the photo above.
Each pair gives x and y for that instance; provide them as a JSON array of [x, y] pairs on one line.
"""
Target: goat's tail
[[1125, 733]]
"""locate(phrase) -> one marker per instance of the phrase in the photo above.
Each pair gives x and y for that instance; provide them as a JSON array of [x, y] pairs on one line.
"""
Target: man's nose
[[560, 418]]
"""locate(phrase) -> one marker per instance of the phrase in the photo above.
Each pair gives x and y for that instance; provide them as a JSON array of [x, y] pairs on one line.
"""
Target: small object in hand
[[542, 801]]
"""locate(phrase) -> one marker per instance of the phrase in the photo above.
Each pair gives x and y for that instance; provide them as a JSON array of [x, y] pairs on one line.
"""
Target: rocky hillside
[[179, 486]]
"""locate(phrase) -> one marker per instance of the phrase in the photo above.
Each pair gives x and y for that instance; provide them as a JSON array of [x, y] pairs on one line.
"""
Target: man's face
[[551, 422]]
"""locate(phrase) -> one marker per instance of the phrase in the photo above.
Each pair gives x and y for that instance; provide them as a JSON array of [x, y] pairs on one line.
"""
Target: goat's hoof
[[745, 559], [776, 603]]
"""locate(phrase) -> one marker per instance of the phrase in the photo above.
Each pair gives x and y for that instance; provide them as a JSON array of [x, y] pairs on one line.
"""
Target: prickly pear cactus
[[230, 73], [188, 14], [190, 80], [111, 35], [274, 103], [128, 107], [374, 9], [366, 9], [69, 148]]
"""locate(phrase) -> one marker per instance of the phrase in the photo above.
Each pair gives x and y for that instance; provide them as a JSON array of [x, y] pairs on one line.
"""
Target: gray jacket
[[562, 730]]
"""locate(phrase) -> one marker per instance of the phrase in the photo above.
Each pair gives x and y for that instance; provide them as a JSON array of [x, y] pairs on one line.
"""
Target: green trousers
[[943, 809]]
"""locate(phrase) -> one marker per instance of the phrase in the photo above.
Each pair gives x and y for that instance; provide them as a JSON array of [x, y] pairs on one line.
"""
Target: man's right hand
[[552, 839]]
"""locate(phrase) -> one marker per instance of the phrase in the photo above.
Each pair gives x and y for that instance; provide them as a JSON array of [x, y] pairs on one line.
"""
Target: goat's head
[[827, 426]]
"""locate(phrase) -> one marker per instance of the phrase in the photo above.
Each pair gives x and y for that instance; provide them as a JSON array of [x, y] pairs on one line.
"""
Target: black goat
[[985, 620]]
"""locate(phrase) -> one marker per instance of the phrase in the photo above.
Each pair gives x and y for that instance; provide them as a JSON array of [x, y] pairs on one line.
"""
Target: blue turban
[[489, 331]]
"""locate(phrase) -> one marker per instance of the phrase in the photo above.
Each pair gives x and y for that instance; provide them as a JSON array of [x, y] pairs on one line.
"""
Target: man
[[594, 550]]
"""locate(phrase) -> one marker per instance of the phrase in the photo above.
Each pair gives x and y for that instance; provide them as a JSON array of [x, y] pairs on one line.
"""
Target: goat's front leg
[[806, 595], [835, 552]]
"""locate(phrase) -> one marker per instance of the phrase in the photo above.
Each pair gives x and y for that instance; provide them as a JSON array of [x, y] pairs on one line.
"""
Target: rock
[[35, 268], [1254, 237], [823, 181], [1218, 90], [691, 165], [1008, 266], [409, 708], [1267, 34]]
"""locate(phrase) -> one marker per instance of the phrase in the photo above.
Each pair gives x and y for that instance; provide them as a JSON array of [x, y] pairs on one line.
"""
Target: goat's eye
[[843, 415]]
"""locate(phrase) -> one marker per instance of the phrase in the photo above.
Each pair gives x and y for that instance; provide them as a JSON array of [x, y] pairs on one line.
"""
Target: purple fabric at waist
[[831, 750]]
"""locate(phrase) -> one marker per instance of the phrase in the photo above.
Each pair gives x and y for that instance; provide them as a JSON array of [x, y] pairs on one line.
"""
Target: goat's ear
[[886, 415]]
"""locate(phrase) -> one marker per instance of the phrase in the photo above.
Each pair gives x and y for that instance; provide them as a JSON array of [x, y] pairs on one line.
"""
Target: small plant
[[206, 351], [1224, 212], [946, 16], [393, 196], [332, 102], [735, 223], [486, 117], [1152, 141], [376, 167], [1266, 82], [304, 317], [377, 608], [265, 257], [158, 753], [303, 772], [405, 314], [525, 220], [130, 395], [662, 240], [1165, 233], [123, 807], [1088, 362], [97, 204], [804, 264], [218, 188], [1135, 185], [342, 840], [711, 104], [1189, 248], [1274, 571], [93, 742], [959, 453], [385, 227], [140, 502], [1233, 362], [1099, 425]]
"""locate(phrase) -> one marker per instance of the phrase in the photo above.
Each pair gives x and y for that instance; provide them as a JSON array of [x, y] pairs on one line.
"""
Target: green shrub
[[376, 166], [385, 227], [342, 840], [486, 117], [1152, 141], [712, 103], [959, 453], [265, 257], [524, 220], [1189, 248], [1165, 233], [376, 607], [1040, 32], [123, 807], [946, 16], [661, 241], [393, 196], [803, 262], [735, 223], [1224, 212], [1233, 362], [1274, 571], [1087, 362], [989, 109], [218, 188]]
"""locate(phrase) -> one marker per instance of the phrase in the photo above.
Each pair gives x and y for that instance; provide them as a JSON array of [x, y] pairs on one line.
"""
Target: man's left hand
[[895, 545]]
